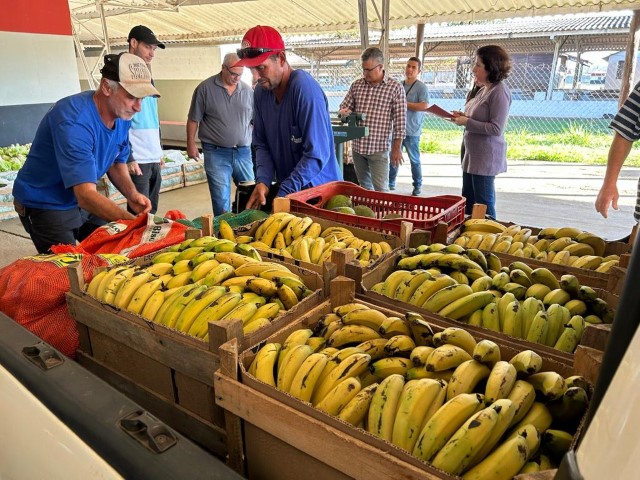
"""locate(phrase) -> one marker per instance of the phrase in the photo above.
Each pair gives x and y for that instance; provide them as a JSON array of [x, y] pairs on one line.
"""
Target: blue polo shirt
[[72, 146], [293, 139]]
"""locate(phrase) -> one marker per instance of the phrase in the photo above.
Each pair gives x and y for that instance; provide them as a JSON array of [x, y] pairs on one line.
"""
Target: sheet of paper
[[439, 111]]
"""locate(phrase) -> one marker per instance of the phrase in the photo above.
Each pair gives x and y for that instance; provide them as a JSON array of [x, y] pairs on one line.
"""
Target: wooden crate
[[383, 270], [163, 365], [339, 258], [284, 436]]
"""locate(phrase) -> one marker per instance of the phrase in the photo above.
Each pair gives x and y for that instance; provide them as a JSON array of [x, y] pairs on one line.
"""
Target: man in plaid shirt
[[384, 104]]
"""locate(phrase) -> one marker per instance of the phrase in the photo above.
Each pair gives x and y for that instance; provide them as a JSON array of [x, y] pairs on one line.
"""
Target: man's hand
[[134, 168], [344, 112], [396, 155], [258, 197], [193, 152], [139, 203], [607, 196]]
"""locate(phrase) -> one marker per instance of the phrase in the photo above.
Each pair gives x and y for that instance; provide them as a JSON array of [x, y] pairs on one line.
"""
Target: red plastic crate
[[424, 212]]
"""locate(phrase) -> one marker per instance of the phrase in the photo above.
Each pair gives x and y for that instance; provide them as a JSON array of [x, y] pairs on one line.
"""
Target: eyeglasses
[[254, 52], [369, 70], [234, 75]]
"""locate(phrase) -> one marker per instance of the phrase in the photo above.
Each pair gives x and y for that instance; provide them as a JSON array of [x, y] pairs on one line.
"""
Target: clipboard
[[439, 111]]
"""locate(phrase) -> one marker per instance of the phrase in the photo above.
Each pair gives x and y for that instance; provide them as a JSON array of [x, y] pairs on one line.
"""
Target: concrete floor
[[530, 193]]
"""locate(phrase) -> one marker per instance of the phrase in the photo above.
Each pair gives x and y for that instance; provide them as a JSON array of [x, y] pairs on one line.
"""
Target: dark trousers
[[479, 189], [148, 184], [52, 227]]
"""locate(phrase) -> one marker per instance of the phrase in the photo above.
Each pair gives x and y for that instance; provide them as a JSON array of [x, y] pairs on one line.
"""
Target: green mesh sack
[[233, 219]]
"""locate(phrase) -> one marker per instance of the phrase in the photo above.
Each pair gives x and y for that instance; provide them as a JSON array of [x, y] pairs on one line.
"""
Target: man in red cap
[[292, 131]]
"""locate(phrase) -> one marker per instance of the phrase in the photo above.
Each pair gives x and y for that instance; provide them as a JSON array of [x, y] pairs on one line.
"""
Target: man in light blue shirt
[[145, 162], [417, 102]]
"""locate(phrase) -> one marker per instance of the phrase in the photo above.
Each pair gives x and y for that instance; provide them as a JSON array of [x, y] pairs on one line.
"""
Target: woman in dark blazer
[[485, 118]]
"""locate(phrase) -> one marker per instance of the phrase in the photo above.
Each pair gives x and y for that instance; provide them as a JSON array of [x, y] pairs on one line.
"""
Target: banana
[[301, 227], [255, 324], [465, 378], [483, 225], [110, 283], [399, 346], [405, 290], [159, 269], [538, 415], [446, 296], [506, 411], [225, 231], [165, 257], [512, 323], [558, 316], [577, 381], [446, 357], [291, 365], [387, 366], [287, 296], [392, 282], [384, 405], [142, 294], [351, 366], [393, 326], [262, 286], [268, 310], [340, 396], [482, 284], [350, 334], [297, 337], [486, 352], [176, 307], [500, 382], [459, 337], [264, 363], [214, 312], [153, 305], [130, 286], [218, 274], [421, 331], [570, 408], [465, 305], [357, 408], [549, 384], [556, 442], [589, 262], [367, 317], [444, 423], [306, 378], [546, 277], [491, 317], [375, 348], [503, 463], [454, 457], [416, 398], [537, 290], [568, 340], [276, 226], [317, 344], [234, 259], [93, 286], [201, 270], [526, 362], [419, 355], [475, 319], [523, 396], [530, 308], [597, 243], [539, 328], [258, 268]]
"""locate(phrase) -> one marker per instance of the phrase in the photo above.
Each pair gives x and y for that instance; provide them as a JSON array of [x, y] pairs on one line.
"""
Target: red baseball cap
[[258, 44]]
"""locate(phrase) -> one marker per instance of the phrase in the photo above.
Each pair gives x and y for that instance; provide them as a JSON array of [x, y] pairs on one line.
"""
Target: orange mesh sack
[[134, 238], [32, 292]]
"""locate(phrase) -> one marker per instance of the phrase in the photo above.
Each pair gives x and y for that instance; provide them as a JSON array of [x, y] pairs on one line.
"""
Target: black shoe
[[416, 192], [392, 187]]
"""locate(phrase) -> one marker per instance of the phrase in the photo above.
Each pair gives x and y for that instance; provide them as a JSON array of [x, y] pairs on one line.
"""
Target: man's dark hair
[[417, 60]]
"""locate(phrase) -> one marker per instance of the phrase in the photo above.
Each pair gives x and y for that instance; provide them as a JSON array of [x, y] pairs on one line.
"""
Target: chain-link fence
[[541, 102]]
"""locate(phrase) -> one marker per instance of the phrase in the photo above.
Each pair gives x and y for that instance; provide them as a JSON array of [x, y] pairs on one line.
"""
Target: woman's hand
[[459, 118]]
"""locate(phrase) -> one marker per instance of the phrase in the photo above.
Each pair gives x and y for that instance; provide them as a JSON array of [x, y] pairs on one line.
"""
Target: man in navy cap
[[145, 163]]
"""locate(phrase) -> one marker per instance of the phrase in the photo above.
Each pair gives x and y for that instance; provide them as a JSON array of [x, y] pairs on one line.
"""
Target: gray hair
[[372, 53], [230, 59], [113, 85]]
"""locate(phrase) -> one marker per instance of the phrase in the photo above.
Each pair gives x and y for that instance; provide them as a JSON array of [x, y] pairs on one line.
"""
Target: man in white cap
[[80, 139], [145, 162]]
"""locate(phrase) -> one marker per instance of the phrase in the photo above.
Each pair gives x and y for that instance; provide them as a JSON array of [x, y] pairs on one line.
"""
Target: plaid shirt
[[384, 106]]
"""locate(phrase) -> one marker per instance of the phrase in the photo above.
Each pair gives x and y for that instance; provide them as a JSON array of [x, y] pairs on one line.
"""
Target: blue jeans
[[222, 164], [412, 146], [479, 189], [372, 170]]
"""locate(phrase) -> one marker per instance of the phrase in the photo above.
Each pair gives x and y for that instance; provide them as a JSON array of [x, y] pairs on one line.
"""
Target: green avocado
[[348, 210], [364, 211], [391, 216], [338, 201]]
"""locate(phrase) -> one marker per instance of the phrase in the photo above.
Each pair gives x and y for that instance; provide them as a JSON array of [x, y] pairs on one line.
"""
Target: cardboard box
[[277, 422], [382, 271], [175, 368]]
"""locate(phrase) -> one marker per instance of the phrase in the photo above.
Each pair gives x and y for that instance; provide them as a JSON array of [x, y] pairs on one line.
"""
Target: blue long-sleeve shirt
[[293, 139]]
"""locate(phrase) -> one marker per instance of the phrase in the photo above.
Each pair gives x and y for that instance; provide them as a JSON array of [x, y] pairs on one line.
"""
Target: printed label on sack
[[59, 260], [157, 229], [114, 228]]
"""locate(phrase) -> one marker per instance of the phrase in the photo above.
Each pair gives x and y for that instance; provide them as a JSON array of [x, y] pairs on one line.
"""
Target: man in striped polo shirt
[[626, 125], [384, 103]]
